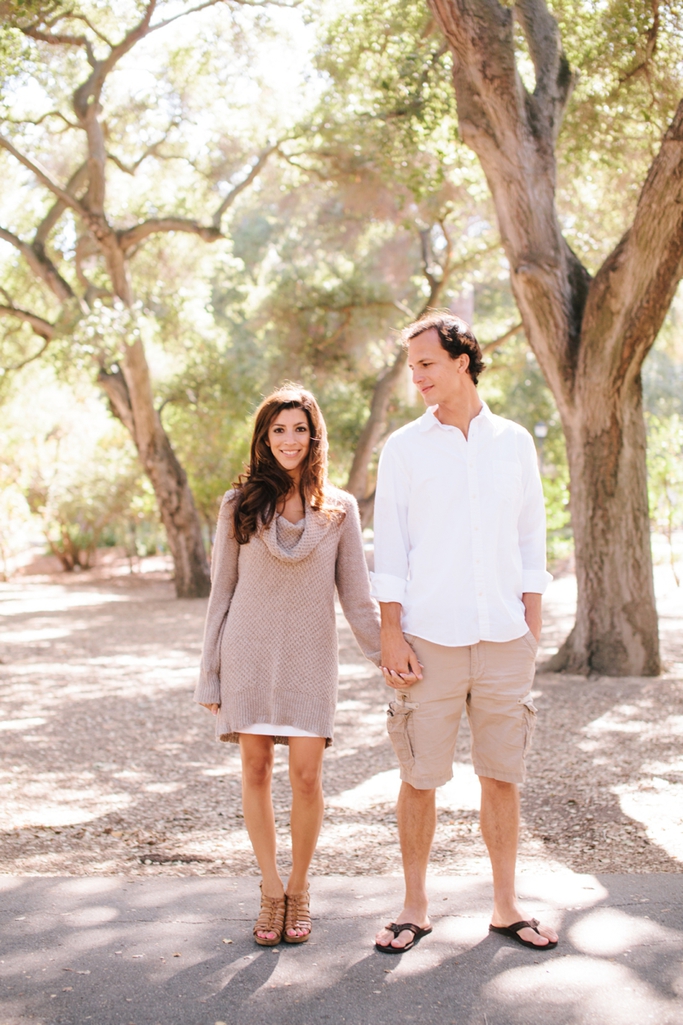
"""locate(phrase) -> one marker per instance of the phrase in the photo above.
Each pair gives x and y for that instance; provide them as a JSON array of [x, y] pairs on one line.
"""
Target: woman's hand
[[213, 708]]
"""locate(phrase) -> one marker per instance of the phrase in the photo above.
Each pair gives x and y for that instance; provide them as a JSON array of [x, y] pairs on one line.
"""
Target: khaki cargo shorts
[[493, 681]]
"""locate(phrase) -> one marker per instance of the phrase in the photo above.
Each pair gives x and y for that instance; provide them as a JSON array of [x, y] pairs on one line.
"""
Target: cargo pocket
[[530, 716], [398, 727]]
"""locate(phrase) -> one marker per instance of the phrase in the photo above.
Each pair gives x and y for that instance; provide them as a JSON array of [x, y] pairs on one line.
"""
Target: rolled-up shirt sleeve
[[388, 581], [531, 525]]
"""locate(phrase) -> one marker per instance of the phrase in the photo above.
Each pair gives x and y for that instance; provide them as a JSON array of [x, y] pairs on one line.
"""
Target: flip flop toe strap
[[400, 927], [518, 926]]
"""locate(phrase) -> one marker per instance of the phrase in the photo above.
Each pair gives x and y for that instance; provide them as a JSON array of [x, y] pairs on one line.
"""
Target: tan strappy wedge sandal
[[271, 919], [298, 916]]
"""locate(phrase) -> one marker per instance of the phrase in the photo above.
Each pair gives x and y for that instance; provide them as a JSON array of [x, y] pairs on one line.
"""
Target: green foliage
[[70, 474], [630, 81], [390, 101], [326, 256], [665, 478], [84, 505]]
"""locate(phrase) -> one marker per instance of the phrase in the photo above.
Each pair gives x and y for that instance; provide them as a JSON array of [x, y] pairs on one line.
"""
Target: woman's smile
[[289, 437]]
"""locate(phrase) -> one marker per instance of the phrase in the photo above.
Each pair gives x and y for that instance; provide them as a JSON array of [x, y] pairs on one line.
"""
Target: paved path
[[115, 951]]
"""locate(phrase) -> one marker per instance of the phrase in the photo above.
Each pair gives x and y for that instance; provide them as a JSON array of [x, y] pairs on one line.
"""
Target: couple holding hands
[[451, 614]]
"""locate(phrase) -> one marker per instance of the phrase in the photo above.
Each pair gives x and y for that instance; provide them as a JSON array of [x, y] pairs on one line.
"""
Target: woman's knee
[[257, 772], [306, 780]]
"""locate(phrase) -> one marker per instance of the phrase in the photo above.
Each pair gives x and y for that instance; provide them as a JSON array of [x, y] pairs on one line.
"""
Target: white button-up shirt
[[460, 528]]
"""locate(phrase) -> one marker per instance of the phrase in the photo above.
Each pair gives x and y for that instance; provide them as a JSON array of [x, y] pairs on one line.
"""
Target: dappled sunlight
[[99, 938], [21, 724], [658, 804], [30, 599], [607, 932], [50, 800], [110, 767], [584, 987], [380, 789]]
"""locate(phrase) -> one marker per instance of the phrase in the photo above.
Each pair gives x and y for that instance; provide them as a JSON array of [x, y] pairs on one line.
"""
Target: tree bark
[[615, 633], [129, 389], [130, 396], [590, 335]]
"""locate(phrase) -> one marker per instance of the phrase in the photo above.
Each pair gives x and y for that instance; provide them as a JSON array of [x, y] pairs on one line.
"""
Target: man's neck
[[461, 411]]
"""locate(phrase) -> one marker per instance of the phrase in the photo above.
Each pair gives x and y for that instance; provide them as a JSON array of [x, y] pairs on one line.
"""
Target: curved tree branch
[[241, 186], [497, 342], [554, 78], [40, 326], [78, 178], [113, 383], [131, 237], [62, 39], [632, 291], [41, 265], [43, 177]]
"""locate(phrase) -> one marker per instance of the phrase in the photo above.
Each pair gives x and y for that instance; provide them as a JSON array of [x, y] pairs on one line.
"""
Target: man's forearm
[[533, 612], [390, 612]]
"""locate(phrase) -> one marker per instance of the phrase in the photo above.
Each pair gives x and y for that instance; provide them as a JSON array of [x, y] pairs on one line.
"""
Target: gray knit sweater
[[270, 640]]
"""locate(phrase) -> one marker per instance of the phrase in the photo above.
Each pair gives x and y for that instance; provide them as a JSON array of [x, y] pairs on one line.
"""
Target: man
[[459, 575]]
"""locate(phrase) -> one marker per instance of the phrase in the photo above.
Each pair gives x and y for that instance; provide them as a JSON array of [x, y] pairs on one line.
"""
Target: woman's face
[[289, 437]]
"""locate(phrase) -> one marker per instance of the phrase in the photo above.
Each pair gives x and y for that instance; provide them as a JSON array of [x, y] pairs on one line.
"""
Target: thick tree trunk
[[616, 631], [590, 335], [130, 396]]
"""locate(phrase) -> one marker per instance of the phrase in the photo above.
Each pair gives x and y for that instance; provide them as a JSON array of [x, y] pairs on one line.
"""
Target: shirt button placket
[[476, 535]]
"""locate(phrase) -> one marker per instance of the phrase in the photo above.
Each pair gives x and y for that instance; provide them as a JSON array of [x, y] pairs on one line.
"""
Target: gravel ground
[[107, 766]]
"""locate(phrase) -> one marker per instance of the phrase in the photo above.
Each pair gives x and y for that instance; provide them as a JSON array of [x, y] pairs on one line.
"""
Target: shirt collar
[[429, 419]]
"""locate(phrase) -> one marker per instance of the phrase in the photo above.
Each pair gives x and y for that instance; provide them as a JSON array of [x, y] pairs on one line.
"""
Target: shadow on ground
[[107, 766], [154, 951]]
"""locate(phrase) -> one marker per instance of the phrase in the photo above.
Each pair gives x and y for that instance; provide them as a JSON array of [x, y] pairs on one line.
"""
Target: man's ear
[[464, 361]]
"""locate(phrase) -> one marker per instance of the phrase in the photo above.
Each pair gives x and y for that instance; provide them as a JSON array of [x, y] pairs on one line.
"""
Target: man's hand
[[213, 708], [399, 662], [532, 612]]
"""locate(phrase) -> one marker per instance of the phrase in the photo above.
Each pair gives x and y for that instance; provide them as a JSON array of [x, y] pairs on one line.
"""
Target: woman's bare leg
[[308, 807], [257, 805]]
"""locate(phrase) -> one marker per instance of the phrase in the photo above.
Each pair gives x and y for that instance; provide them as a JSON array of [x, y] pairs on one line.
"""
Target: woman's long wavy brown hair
[[265, 482]]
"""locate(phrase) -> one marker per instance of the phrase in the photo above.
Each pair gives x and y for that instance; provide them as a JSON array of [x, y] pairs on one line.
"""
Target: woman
[[269, 669]]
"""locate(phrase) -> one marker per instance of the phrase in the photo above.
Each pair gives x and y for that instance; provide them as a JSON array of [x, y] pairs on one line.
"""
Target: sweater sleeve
[[223, 582], [353, 584]]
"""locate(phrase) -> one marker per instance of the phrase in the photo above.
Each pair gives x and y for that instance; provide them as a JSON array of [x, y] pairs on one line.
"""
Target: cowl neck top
[[292, 542]]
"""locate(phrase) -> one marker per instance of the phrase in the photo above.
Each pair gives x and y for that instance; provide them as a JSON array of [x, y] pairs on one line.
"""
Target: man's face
[[439, 378]]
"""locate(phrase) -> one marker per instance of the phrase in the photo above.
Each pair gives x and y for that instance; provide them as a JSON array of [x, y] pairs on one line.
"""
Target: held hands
[[399, 662], [213, 708]]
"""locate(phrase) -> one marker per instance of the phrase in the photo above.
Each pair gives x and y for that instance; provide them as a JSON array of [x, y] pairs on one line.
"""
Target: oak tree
[[589, 332], [71, 146]]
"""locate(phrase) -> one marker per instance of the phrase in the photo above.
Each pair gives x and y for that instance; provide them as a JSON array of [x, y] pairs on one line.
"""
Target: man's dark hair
[[455, 336]]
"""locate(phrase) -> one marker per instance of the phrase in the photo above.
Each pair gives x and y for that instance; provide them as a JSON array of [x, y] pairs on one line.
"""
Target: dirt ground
[[107, 766]]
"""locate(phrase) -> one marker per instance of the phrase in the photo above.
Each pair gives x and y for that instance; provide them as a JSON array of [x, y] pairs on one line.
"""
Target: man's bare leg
[[499, 821], [416, 814]]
